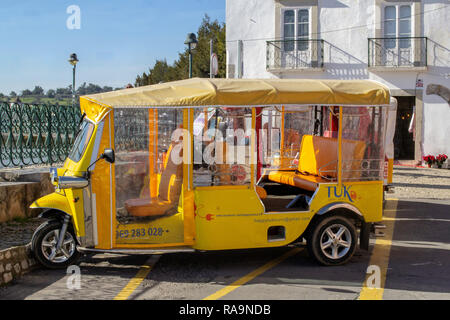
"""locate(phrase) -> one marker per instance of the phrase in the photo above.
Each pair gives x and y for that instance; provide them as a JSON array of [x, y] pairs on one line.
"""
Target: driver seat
[[169, 191]]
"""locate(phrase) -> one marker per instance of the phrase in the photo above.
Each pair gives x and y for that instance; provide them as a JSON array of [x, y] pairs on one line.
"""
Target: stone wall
[[19, 189], [14, 262]]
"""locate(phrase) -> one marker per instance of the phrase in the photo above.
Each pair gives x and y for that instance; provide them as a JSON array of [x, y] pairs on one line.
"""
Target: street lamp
[[73, 60], [191, 42]]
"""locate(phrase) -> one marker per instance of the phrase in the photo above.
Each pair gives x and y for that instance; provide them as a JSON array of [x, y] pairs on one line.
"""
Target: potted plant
[[440, 159], [430, 160]]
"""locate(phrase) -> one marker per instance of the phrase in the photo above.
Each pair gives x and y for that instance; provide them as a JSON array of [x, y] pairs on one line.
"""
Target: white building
[[403, 44]]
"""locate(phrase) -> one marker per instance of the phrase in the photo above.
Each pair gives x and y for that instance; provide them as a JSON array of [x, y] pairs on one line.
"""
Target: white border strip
[[98, 138], [110, 188], [94, 218], [248, 106]]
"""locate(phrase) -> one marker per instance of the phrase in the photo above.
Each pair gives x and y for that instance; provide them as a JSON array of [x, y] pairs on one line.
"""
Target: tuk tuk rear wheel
[[44, 241], [332, 241]]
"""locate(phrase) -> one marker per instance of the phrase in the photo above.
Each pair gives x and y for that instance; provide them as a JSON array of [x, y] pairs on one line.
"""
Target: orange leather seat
[[318, 162], [149, 207], [262, 193], [169, 192], [292, 178]]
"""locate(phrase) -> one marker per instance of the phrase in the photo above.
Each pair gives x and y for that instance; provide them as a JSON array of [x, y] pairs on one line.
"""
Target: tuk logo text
[[344, 193]]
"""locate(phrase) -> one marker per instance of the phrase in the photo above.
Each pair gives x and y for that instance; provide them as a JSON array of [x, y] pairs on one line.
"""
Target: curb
[[15, 262]]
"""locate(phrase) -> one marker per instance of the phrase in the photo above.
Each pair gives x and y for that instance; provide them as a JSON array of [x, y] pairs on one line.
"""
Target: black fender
[[54, 214]]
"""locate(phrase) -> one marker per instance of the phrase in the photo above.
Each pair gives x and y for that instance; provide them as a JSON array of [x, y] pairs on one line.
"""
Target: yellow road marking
[[137, 280], [252, 275], [381, 253]]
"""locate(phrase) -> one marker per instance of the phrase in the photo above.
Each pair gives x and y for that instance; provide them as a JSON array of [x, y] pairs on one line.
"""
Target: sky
[[116, 39]]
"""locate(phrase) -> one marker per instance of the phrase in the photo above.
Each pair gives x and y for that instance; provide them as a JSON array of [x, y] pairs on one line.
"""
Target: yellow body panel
[[241, 223], [222, 215], [390, 171], [75, 201], [161, 231], [102, 189], [54, 200], [65, 202], [366, 197]]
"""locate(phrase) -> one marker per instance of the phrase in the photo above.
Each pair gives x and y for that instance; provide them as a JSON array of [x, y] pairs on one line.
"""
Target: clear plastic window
[[282, 131], [148, 167], [222, 146], [81, 141], [363, 143]]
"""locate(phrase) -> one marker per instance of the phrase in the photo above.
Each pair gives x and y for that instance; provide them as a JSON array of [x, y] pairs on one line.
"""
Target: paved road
[[416, 263]]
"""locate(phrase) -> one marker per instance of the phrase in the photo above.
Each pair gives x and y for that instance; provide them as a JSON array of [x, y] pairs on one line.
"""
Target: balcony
[[294, 55], [403, 53]]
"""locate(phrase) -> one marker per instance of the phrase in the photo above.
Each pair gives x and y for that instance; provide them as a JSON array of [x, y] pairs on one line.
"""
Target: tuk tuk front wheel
[[332, 241], [44, 243]]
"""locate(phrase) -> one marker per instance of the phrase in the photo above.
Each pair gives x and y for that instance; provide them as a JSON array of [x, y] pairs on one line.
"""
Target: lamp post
[[191, 42], [73, 60]]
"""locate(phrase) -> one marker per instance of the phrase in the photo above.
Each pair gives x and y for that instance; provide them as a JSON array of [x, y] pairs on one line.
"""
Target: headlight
[[54, 175], [72, 183]]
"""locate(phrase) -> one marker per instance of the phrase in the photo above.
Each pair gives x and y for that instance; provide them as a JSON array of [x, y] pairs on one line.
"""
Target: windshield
[[81, 141]]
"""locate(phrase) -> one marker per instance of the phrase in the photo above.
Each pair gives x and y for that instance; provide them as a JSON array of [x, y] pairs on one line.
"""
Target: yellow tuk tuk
[[220, 164]]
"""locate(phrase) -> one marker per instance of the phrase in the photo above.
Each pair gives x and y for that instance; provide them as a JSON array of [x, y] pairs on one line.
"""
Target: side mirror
[[108, 155]]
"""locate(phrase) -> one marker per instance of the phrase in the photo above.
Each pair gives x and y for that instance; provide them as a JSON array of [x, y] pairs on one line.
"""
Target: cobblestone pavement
[[421, 183], [16, 233]]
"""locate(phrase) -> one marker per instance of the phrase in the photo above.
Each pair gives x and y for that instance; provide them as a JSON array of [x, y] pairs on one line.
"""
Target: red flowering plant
[[440, 159], [429, 159]]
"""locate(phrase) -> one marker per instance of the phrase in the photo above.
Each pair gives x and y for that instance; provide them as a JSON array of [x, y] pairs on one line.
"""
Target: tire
[[44, 241], [332, 241]]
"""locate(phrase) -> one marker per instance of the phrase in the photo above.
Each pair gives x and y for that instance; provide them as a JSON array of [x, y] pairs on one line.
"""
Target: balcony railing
[[286, 55], [402, 52]]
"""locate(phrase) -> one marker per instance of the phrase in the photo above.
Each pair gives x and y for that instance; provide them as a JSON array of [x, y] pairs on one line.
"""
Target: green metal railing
[[36, 134], [294, 54]]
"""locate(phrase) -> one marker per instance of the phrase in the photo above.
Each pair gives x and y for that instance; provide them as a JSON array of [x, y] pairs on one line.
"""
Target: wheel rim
[[49, 243], [335, 241]]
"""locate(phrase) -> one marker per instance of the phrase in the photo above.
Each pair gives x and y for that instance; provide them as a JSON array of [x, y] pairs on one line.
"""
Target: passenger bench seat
[[318, 162]]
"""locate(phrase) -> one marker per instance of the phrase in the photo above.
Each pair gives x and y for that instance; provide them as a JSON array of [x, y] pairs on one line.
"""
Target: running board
[[137, 251]]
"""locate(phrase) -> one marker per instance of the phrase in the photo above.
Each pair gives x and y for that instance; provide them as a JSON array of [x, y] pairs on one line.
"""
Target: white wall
[[346, 25], [249, 20], [436, 110]]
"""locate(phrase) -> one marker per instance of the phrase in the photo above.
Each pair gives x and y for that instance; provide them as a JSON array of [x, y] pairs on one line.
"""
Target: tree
[[26, 92], [64, 91], [13, 94], [82, 90], [209, 30], [38, 91], [51, 93], [93, 88], [162, 72]]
